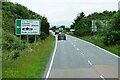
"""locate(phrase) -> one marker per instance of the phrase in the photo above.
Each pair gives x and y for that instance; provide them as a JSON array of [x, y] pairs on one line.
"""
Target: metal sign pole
[[20, 37], [27, 39], [35, 38]]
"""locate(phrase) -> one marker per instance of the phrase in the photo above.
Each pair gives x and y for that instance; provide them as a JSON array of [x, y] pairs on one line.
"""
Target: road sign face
[[27, 27], [72, 30], [60, 29], [94, 27], [56, 30]]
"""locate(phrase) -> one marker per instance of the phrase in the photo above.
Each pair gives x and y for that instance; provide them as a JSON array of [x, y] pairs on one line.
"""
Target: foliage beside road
[[108, 25], [107, 35], [12, 11], [12, 45], [22, 59], [0, 52], [32, 62]]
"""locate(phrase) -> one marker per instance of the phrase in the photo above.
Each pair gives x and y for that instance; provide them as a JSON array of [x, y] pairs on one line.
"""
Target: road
[[75, 58]]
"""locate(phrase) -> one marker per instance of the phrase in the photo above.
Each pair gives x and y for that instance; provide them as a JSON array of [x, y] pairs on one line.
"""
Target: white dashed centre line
[[89, 62], [102, 77], [82, 54], [78, 49]]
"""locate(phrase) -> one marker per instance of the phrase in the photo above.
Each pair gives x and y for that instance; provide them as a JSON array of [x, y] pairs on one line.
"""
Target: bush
[[11, 42], [31, 39], [81, 32], [43, 36], [16, 54], [12, 45], [18, 46], [112, 38]]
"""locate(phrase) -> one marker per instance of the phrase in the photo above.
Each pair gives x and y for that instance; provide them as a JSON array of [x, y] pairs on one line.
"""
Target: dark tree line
[[107, 22]]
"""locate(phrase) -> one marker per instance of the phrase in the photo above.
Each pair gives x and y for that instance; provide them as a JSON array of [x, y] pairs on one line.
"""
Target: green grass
[[32, 62], [98, 40], [0, 52]]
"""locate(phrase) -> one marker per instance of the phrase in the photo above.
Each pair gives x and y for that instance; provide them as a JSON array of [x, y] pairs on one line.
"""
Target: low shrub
[[16, 54], [112, 38], [43, 36], [12, 45]]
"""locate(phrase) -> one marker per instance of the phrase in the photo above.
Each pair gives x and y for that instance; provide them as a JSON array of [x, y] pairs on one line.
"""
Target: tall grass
[[32, 61]]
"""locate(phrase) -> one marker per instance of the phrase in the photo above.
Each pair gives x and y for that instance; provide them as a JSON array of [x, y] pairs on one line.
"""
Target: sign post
[[28, 27], [27, 38], [35, 38], [94, 27]]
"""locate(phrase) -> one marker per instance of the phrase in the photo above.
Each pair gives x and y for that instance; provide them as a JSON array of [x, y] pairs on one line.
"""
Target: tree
[[53, 28], [116, 22], [67, 29], [113, 36], [79, 17], [12, 11], [45, 25], [62, 26]]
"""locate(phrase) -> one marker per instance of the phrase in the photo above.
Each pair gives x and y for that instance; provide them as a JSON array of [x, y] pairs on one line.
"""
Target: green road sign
[[27, 27]]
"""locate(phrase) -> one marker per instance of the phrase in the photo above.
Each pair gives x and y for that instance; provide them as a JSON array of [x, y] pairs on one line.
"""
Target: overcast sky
[[63, 12]]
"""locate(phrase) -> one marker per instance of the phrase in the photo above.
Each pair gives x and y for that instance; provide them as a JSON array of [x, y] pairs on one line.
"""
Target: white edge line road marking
[[102, 77], [99, 48], [49, 69], [89, 62], [82, 54]]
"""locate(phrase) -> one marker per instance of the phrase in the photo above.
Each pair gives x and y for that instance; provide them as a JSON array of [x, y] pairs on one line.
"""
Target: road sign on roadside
[[28, 26], [72, 30], [94, 27], [60, 29]]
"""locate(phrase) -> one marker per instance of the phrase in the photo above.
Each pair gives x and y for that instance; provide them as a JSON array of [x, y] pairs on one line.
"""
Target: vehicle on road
[[61, 36], [56, 32]]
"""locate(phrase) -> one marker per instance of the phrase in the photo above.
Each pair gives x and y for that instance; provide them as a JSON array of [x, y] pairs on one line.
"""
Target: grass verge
[[0, 52], [98, 40], [32, 62]]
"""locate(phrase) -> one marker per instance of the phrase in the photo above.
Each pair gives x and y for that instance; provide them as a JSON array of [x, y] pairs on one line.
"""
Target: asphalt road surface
[[75, 58]]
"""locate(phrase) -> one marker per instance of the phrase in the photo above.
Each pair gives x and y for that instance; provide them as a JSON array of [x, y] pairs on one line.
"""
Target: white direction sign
[[60, 29], [72, 30], [94, 27], [27, 27]]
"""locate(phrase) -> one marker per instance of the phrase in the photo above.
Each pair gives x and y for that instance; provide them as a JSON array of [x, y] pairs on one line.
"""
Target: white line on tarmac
[[97, 47], [100, 48], [51, 63], [102, 77], [89, 62], [82, 54], [77, 49]]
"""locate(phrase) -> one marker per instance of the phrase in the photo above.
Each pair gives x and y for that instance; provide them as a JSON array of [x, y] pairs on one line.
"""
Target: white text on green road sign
[[27, 27]]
